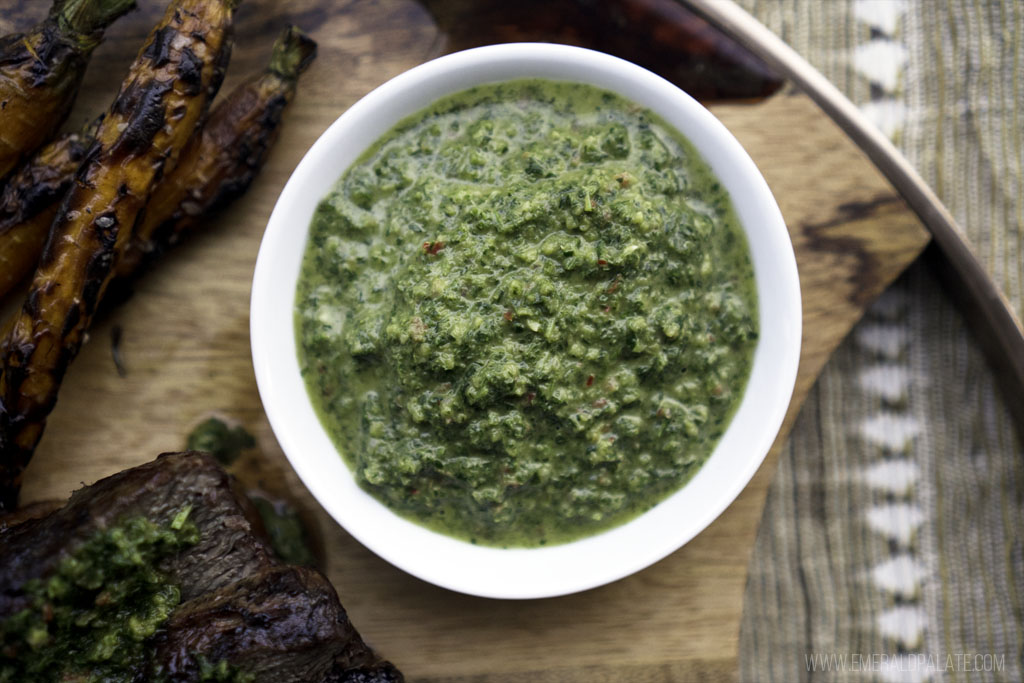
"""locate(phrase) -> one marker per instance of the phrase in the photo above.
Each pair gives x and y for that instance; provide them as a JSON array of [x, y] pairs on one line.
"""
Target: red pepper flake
[[718, 390], [590, 381], [529, 398], [607, 309], [600, 403], [614, 285], [507, 315], [433, 247], [602, 262], [48, 612], [413, 492]]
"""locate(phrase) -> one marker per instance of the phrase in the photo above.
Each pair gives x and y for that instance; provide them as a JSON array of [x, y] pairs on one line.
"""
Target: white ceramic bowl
[[592, 561]]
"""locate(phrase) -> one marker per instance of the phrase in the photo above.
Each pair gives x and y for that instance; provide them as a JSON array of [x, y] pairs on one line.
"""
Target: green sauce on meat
[[96, 616], [526, 313], [92, 619]]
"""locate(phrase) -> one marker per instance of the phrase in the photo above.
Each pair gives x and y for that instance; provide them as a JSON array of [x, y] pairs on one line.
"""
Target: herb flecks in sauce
[[92, 617], [526, 314]]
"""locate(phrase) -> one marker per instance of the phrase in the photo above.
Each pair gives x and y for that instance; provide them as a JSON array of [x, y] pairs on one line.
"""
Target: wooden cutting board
[[185, 346]]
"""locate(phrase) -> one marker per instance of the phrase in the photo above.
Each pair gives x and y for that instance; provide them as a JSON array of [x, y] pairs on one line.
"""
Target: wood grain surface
[[185, 347]]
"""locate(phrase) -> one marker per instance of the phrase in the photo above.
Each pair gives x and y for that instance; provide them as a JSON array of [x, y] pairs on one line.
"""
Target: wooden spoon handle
[[987, 310]]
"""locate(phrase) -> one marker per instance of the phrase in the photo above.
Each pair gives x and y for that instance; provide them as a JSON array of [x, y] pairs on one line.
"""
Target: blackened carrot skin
[[215, 168], [40, 72], [220, 162], [164, 99], [29, 202]]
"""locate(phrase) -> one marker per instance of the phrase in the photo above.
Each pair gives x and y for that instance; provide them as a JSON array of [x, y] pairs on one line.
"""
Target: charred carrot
[[40, 72], [214, 169], [29, 201], [220, 162], [160, 104]]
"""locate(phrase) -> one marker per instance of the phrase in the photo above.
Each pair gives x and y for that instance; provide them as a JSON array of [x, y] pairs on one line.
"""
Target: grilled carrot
[[160, 104], [40, 72], [29, 201], [215, 168], [220, 162]]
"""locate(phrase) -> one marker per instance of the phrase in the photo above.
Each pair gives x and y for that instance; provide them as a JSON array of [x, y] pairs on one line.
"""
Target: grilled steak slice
[[227, 551], [281, 624], [241, 609], [35, 510]]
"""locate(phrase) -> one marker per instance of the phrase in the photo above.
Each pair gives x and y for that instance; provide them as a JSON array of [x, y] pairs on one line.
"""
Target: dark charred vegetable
[[40, 72], [219, 164], [29, 201], [161, 103], [216, 167], [661, 35]]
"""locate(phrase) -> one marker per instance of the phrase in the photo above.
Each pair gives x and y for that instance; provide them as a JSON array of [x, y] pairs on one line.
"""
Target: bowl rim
[[521, 573]]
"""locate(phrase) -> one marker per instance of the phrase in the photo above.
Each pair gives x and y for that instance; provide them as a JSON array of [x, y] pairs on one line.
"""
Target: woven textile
[[890, 547]]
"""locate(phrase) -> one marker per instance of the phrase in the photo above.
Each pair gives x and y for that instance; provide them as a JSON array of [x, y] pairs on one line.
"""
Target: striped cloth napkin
[[891, 545]]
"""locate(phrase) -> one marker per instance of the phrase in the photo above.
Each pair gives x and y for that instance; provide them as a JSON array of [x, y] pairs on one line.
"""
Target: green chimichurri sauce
[[526, 313], [95, 616], [91, 620]]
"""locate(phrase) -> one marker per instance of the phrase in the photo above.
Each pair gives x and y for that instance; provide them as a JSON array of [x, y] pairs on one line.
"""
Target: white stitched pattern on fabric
[[887, 380], [891, 431], [905, 623], [896, 476], [901, 575], [888, 341], [887, 115], [884, 15], [898, 521], [881, 61]]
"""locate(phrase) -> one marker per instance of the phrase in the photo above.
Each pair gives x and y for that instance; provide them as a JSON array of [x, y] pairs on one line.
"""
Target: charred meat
[[217, 604]]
